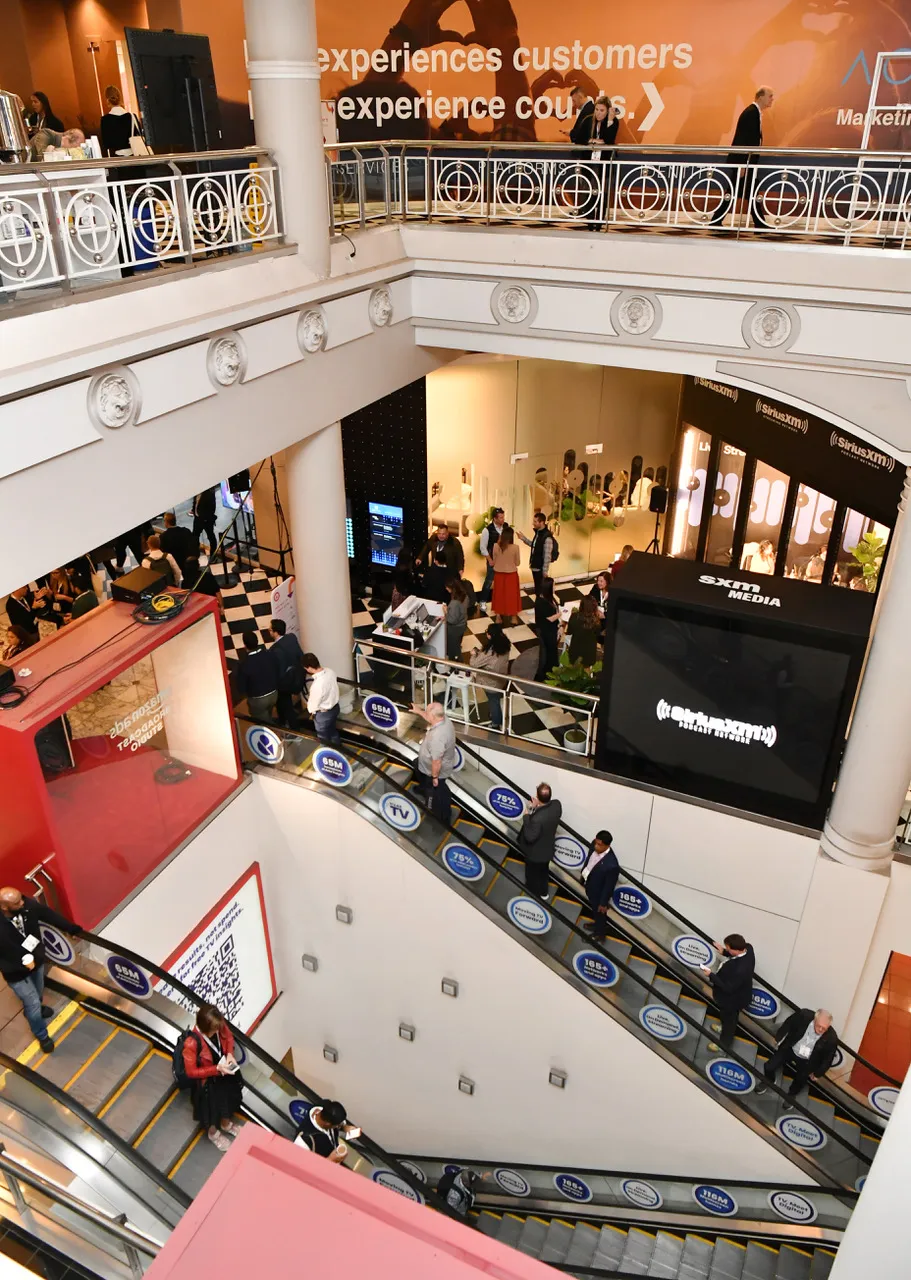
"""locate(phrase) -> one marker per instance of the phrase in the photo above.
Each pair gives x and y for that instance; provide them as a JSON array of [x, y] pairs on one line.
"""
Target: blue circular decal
[[332, 766], [569, 853], [883, 1098], [730, 1076], [400, 811], [414, 1170], [595, 969], [265, 744], [763, 1004], [860, 1183], [394, 1182], [299, 1109], [463, 862], [800, 1131], [632, 902], [529, 915], [56, 946], [662, 1023], [792, 1207], [573, 1188], [460, 759], [838, 1059], [505, 802], [509, 1180], [381, 712], [715, 1200], [642, 1194], [453, 1168], [692, 951], [240, 1053], [129, 977]]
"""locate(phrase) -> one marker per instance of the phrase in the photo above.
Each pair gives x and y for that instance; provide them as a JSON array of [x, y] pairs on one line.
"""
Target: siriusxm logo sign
[[862, 452], [718, 727], [750, 592], [730, 393], [784, 419]]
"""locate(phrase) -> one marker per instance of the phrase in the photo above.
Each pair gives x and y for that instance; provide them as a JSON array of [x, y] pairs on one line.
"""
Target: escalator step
[[696, 1262], [510, 1229], [134, 1107], [669, 988], [169, 1133], [84, 1036], [107, 1072], [556, 1245], [532, 1237], [760, 1263], [470, 830], [489, 1223], [618, 949], [198, 1162], [494, 849], [583, 1246], [611, 1244], [793, 1264], [746, 1049], [640, 1245], [665, 1261], [727, 1260], [821, 1264]]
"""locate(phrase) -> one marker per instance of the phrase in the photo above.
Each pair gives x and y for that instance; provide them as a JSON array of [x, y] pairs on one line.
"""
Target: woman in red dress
[[507, 600]]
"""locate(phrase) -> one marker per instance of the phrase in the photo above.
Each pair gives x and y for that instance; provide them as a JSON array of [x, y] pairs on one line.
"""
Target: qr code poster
[[227, 959]]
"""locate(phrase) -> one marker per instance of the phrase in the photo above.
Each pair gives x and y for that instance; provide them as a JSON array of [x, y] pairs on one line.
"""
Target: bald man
[[22, 956]]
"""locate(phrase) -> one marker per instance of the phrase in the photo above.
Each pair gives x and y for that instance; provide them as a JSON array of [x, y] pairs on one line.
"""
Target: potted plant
[[869, 555], [572, 677]]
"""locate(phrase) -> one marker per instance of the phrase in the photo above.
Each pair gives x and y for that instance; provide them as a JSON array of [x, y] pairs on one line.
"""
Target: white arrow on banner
[[656, 106]]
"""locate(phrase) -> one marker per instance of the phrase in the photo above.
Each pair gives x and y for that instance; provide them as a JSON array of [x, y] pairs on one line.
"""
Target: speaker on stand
[[657, 502]]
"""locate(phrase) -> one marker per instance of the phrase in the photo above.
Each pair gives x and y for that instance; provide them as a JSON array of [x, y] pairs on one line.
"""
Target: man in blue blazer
[[600, 875]]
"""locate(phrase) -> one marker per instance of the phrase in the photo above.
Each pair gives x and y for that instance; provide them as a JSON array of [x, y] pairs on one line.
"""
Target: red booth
[[122, 746]]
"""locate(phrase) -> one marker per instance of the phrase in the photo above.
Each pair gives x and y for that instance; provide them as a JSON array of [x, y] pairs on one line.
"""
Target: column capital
[[853, 853], [282, 69]]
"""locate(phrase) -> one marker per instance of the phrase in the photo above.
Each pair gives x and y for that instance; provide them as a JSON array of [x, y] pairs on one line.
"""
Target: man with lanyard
[[23, 959], [600, 875], [323, 1129], [436, 760], [490, 536], [542, 549]]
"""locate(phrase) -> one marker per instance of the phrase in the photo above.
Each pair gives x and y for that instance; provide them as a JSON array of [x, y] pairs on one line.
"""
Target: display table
[[428, 631]]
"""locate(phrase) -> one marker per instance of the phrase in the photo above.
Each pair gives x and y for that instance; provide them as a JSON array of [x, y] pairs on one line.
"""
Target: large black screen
[[721, 708]]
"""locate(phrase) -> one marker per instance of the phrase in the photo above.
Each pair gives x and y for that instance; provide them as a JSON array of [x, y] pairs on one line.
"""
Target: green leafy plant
[[572, 677], [869, 555]]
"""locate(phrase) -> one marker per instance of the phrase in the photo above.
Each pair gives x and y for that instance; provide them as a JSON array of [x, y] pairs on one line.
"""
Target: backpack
[[162, 563], [555, 549], [178, 1069]]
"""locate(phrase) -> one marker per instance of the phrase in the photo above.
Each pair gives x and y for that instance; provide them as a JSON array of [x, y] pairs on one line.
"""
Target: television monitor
[[175, 89], [386, 533]]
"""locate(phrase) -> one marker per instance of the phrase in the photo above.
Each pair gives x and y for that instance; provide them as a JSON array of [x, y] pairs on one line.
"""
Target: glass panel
[[719, 548], [767, 503], [860, 572], [691, 484], [132, 769], [809, 541]]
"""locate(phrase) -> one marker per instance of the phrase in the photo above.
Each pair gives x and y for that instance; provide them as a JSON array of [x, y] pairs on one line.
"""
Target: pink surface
[[273, 1209]]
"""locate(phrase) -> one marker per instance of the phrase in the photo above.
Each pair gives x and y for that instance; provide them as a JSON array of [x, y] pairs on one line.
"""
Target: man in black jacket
[[256, 677], [22, 956], [732, 983], [600, 875], [582, 126], [442, 542], [807, 1044], [741, 175], [537, 839], [287, 653]]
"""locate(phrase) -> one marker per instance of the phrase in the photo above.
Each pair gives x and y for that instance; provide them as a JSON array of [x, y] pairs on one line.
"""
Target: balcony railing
[[846, 197], [64, 226]]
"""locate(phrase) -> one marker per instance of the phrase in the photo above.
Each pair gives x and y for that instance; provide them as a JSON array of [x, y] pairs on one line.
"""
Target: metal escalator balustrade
[[650, 922], [625, 981]]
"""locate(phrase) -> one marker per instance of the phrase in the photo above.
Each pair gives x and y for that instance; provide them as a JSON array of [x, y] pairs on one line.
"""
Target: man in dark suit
[[286, 650], [807, 1044], [732, 983], [741, 173], [537, 839], [582, 125], [600, 875]]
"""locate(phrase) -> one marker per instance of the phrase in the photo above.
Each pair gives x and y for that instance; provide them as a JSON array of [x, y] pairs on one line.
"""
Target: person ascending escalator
[[458, 1188]]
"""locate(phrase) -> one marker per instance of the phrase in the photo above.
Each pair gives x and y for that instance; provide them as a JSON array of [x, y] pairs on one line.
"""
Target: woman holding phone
[[605, 121], [216, 1085]]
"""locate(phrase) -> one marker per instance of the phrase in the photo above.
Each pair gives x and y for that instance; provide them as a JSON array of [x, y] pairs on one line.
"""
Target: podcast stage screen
[[737, 701]]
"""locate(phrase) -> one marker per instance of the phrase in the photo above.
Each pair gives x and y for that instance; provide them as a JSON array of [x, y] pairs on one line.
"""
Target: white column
[[285, 79], [316, 500], [875, 1244], [873, 781]]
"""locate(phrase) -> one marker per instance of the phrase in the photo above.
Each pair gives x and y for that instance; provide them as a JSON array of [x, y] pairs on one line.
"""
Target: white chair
[[459, 685]]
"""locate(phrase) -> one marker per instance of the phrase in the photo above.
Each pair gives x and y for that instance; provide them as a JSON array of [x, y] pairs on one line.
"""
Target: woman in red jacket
[[216, 1083]]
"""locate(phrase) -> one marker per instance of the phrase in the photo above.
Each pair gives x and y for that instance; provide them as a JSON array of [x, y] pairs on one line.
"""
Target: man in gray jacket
[[537, 838]]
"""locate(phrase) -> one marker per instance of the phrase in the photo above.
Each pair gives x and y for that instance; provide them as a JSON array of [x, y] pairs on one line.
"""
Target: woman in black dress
[[547, 620], [216, 1085]]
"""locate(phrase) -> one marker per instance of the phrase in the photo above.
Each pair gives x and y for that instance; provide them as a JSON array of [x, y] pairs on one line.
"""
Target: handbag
[[138, 144]]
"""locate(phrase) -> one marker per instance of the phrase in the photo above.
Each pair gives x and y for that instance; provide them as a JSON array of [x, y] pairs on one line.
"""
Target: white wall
[[198, 723], [514, 1018], [893, 933]]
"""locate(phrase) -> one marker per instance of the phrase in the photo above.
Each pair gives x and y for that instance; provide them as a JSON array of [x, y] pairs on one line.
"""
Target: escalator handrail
[[373, 1149], [591, 943], [854, 1116], [674, 912], [91, 1121]]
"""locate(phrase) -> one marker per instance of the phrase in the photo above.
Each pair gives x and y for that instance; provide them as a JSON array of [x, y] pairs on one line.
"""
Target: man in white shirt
[[322, 699], [807, 1044], [157, 559]]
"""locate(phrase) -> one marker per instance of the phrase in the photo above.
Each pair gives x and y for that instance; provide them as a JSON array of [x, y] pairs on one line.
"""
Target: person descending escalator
[[458, 1188], [211, 1070]]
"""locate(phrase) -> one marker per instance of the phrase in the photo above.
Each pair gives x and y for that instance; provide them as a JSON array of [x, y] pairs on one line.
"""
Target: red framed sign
[[227, 959]]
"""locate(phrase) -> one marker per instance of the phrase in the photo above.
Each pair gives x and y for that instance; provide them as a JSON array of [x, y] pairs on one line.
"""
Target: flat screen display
[[386, 525], [722, 708]]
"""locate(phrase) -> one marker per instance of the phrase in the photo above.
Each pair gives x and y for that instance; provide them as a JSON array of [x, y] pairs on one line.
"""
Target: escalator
[[634, 976], [99, 1131], [589, 1222]]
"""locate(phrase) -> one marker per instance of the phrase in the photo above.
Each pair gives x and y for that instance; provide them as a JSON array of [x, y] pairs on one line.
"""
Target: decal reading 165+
[[572, 1187], [596, 969], [632, 902]]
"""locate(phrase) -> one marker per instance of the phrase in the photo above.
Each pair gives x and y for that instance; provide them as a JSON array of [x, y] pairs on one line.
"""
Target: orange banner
[[679, 73]]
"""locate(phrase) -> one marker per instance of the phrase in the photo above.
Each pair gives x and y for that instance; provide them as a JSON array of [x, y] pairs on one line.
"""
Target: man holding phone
[[22, 956], [323, 1130]]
